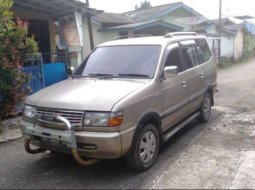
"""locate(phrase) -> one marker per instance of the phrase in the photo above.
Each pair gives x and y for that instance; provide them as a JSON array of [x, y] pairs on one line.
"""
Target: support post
[[91, 38], [219, 31]]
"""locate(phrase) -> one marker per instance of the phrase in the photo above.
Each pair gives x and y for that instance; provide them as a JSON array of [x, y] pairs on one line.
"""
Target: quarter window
[[203, 51]]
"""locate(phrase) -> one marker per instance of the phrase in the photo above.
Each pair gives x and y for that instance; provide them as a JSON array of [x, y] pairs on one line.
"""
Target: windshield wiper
[[102, 75], [134, 75], [96, 75], [79, 76], [105, 76]]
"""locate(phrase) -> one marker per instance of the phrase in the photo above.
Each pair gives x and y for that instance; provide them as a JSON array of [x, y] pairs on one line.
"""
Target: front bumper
[[105, 145]]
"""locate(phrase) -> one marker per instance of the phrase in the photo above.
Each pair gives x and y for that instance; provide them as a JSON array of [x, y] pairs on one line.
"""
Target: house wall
[[238, 45], [32, 15], [99, 37], [227, 46], [227, 43]]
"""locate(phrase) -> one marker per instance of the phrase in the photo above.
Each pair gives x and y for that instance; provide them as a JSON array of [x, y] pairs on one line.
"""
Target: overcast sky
[[208, 8]]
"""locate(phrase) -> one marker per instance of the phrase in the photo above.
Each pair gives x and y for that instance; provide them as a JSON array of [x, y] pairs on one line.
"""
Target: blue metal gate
[[43, 72], [34, 67], [54, 72]]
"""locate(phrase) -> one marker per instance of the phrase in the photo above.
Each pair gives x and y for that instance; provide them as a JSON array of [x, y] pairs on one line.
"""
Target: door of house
[[40, 30]]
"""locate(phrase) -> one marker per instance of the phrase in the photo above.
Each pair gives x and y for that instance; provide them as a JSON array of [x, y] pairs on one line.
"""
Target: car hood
[[85, 94]]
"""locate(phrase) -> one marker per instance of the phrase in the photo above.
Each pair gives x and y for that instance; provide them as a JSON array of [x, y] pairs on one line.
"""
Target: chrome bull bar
[[68, 137]]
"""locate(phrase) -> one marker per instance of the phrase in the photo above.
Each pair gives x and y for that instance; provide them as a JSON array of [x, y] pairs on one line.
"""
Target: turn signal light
[[115, 121]]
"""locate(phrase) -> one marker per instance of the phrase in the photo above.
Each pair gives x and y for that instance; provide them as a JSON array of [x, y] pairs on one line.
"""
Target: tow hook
[[32, 151], [72, 145]]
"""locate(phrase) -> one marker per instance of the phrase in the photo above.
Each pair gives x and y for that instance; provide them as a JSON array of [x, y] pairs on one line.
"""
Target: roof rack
[[172, 34]]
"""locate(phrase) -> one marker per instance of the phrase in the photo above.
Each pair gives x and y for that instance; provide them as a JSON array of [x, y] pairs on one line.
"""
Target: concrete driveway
[[220, 154]]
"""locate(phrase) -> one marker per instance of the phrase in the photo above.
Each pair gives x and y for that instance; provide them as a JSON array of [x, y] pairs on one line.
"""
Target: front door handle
[[184, 84], [202, 75], [158, 94]]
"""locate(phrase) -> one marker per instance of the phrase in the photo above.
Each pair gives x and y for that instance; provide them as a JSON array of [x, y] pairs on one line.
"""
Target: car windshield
[[121, 61]]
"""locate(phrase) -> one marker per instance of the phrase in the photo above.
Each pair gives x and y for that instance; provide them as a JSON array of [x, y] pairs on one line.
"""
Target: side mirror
[[170, 71], [70, 70]]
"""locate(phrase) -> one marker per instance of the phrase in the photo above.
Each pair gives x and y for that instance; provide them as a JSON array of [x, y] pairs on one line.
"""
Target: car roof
[[156, 40]]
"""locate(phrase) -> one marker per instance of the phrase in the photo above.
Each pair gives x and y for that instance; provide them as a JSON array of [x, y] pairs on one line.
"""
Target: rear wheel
[[145, 150], [205, 109]]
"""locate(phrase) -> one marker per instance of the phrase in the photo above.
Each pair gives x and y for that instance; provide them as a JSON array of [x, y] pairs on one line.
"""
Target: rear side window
[[203, 51]]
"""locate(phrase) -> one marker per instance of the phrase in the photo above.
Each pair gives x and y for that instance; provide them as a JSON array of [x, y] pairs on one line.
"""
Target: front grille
[[73, 116]]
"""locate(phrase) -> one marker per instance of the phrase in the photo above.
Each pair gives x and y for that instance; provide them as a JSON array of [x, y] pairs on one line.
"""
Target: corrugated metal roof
[[235, 27], [56, 8], [245, 17], [146, 14], [143, 15], [229, 25], [112, 18], [159, 11]]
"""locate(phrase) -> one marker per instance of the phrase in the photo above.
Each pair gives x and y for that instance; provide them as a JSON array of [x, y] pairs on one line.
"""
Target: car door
[[193, 73], [206, 63], [175, 92]]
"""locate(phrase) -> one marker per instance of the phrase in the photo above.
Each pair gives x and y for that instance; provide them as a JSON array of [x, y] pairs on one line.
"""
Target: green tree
[[143, 5], [14, 46]]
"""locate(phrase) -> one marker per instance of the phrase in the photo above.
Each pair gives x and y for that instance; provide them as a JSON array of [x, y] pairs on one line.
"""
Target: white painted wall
[[227, 43], [99, 37], [238, 48], [227, 46], [78, 54]]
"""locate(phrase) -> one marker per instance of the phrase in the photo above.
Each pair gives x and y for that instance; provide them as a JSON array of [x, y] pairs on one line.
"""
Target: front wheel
[[145, 150], [205, 109]]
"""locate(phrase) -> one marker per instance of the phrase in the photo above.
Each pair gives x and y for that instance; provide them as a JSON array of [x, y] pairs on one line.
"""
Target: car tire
[[205, 109], [145, 149]]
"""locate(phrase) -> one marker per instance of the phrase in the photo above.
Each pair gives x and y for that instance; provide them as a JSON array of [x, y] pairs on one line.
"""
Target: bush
[[225, 62], [15, 44]]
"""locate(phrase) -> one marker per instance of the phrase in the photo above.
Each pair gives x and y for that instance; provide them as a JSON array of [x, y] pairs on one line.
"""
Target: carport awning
[[55, 8]]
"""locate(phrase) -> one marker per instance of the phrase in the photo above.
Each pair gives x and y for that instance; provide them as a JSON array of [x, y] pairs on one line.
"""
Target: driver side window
[[173, 57]]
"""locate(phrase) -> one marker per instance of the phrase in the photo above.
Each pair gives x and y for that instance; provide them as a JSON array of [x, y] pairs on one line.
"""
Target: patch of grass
[[226, 63], [1, 126]]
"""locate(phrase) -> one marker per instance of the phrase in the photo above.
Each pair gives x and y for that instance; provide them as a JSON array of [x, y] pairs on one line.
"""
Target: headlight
[[29, 111], [103, 119]]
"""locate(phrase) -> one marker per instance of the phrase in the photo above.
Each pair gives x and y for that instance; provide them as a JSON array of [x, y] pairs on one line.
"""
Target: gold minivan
[[126, 99]]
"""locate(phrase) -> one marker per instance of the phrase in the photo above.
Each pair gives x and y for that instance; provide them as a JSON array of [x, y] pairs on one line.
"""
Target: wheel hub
[[207, 107], [147, 147]]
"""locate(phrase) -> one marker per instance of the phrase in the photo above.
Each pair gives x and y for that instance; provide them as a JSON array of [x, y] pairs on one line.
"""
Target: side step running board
[[178, 127]]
